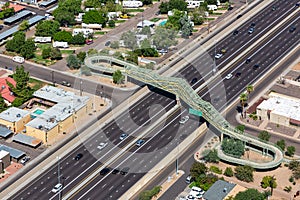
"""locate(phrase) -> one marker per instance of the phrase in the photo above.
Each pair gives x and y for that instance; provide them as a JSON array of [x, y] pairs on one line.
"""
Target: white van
[[60, 44], [18, 59]]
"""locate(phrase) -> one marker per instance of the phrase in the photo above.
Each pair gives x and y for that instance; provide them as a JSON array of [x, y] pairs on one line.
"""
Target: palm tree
[[249, 89], [243, 99]]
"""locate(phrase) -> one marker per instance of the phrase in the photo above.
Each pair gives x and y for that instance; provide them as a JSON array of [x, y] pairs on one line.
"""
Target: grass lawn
[[120, 21], [195, 30], [100, 33], [210, 19], [39, 59], [222, 8], [43, 46], [36, 84], [134, 10], [67, 51], [217, 13], [154, 19]]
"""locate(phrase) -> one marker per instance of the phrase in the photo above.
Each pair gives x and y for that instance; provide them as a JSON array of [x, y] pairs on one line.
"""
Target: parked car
[[219, 55], [248, 60], [256, 66], [123, 136], [235, 32], [102, 145], [1, 27], [124, 171], [65, 83], [194, 80], [107, 43], [25, 159], [189, 179], [104, 171], [57, 188], [115, 171], [89, 41], [184, 119], [140, 142], [238, 74], [229, 76], [78, 156], [18, 59], [251, 30]]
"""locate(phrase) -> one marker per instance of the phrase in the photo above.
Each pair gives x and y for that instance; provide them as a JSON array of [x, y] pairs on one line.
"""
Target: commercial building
[[280, 109], [60, 117], [221, 190], [4, 160], [15, 119]]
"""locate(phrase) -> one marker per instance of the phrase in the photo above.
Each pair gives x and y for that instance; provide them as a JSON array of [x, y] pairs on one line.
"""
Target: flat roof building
[[219, 190], [15, 118], [5, 160], [21, 15]]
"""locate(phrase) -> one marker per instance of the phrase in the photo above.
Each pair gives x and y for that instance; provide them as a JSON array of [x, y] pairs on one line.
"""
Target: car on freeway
[[230, 8], [124, 171], [248, 60], [184, 119], [274, 8], [219, 55], [251, 30], [292, 29], [239, 16], [256, 66], [123, 136], [194, 80], [223, 51], [140, 142], [25, 159], [235, 32], [65, 83], [104, 171], [115, 171], [238, 74], [229, 76], [297, 4], [107, 43], [57, 188], [78, 156], [252, 24], [102, 145]]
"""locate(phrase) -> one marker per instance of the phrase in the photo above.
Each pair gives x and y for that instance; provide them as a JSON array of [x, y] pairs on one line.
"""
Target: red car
[[89, 41]]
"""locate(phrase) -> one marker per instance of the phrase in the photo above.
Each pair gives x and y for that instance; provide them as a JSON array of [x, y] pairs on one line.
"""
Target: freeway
[[37, 188]]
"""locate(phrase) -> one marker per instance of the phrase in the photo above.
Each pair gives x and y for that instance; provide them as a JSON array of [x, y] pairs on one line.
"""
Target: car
[[252, 24], [107, 43], [251, 30], [274, 8], [104, 171], [190, 197], [238, 74], [78, 156], [230, 8], [235, 32], [123, 136], [18, 59], [229, 76], [248, 60], [140, 142], [115, 171], [102, 145], [198, 190], [1, 27], [89, 41], [219, 55], [124, 171], [256, 66], [194, 80], [157, 13], [65, 83], [57, 188], [239, 16], [184, 119], [25, 159], [189, 179], [162, 51], [297, 4], [223, 51], [292, 29]]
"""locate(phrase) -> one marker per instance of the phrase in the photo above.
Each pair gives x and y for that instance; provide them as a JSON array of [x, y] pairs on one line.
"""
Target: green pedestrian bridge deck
[[185, 92]]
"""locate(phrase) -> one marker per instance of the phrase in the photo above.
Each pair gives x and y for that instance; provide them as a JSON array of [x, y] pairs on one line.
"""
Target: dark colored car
[[297, 4], [107, 43], [124, 171], [292, 29], [248, 60], [78, 156], [256, 66], [238, 74], [230, 8], [194, 80], [252, 24], [104, 171], [89, 41], [115, 171], [65, 83], [235, 32], [239, 16], [1, 27], [274, 8]]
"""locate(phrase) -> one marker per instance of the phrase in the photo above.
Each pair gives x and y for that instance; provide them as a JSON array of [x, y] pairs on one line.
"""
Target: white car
[[190, 197], [229, 76], [25, 159], [197, 190], [18, 59], [219, 55], [57, 188], [184, 119], [102, 145]]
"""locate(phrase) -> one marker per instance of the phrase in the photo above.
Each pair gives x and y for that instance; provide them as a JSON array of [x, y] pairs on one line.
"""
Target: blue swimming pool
[[162, 23], [38, 111]]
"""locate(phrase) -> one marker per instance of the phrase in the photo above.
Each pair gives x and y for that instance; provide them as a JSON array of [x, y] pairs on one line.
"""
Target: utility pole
[[80, 88]]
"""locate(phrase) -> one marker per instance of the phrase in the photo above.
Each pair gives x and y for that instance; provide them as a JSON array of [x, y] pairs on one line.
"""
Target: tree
[[146, 2], [64, 17], [174, 20], [211, 2], [146, 31], [233, 147], [111, 23], [115, 45], [240, 128], [92, 3], [28, 49], [24, 25], [92, 51], [228, 172], [81, 56], [3, 105], [198, 169], [118, 77], [148, 194], [73, 62], [6, 11], [62, 36], [249, 89], [293, 165], [78, 39], [244, 173], [47, 28], [147, 52], [163, 38], [290, 151], [212, 156], [129, 38], [250, 194], [132, 57], [85, 71], [94, 17], [118, 55], [145, 44], [186, 26], [173, 4], [264, 135], [281, 144], [46, 52], [243, 100], [269, 181], [55, 54], [16, 43], [73, 6], [197, 15]]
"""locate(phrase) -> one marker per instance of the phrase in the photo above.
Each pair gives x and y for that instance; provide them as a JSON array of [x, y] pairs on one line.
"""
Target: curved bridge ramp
[[183, 90]]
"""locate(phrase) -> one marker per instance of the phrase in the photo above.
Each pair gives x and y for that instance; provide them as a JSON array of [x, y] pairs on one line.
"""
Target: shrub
[[215, 170], [288, 188], [291, 179], [228, 172], [244, 173]]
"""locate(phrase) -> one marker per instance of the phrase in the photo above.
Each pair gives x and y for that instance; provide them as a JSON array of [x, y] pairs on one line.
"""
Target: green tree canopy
[[145, 31], [250, 194], [3, 105], [174, 20], [290, 151], [73, 6], [24, 25], [73, 62], [228, 172], [94, 17], [173, 4], [281, 144], [186, 26], [240, 128], [6, 11], [244, 173], [115, 45], [78, 39], [55, 54], [233, 147], [212, 156], [147, 2], [81, 56], [129, 39], [118, 77], [16, 43], [64, 17], [148, 194], [163, 38], [145, 44], [28, 49], [63, 36], [47, 28], [264, 135], [46, 52], [269, 181], [198, 169]]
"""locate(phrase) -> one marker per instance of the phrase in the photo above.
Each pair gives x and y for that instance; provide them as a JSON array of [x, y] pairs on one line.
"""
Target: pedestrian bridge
[[185, 92]]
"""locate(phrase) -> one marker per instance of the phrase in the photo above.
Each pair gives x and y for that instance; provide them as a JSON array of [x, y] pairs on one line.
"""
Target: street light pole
[[80, 88]]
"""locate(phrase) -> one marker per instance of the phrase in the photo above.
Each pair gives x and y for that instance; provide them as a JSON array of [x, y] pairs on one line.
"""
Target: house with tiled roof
[[5, 90]]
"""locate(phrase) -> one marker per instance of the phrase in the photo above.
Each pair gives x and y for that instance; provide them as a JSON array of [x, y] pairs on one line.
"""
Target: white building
[[42, 39], [145, 23], [57, 44], [280, 109], [85, 31], [132, 4], [193, 4]]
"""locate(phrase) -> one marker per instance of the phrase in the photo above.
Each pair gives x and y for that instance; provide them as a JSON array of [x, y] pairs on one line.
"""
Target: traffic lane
[[234, 42]]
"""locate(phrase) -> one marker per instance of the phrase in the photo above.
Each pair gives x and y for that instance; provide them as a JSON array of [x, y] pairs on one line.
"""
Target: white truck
[[42, 39], [57, 44], [132, 4]]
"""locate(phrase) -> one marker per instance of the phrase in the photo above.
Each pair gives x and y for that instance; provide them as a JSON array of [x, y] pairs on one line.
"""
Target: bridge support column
[[222, 136], [178, 101], [125, 79]]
